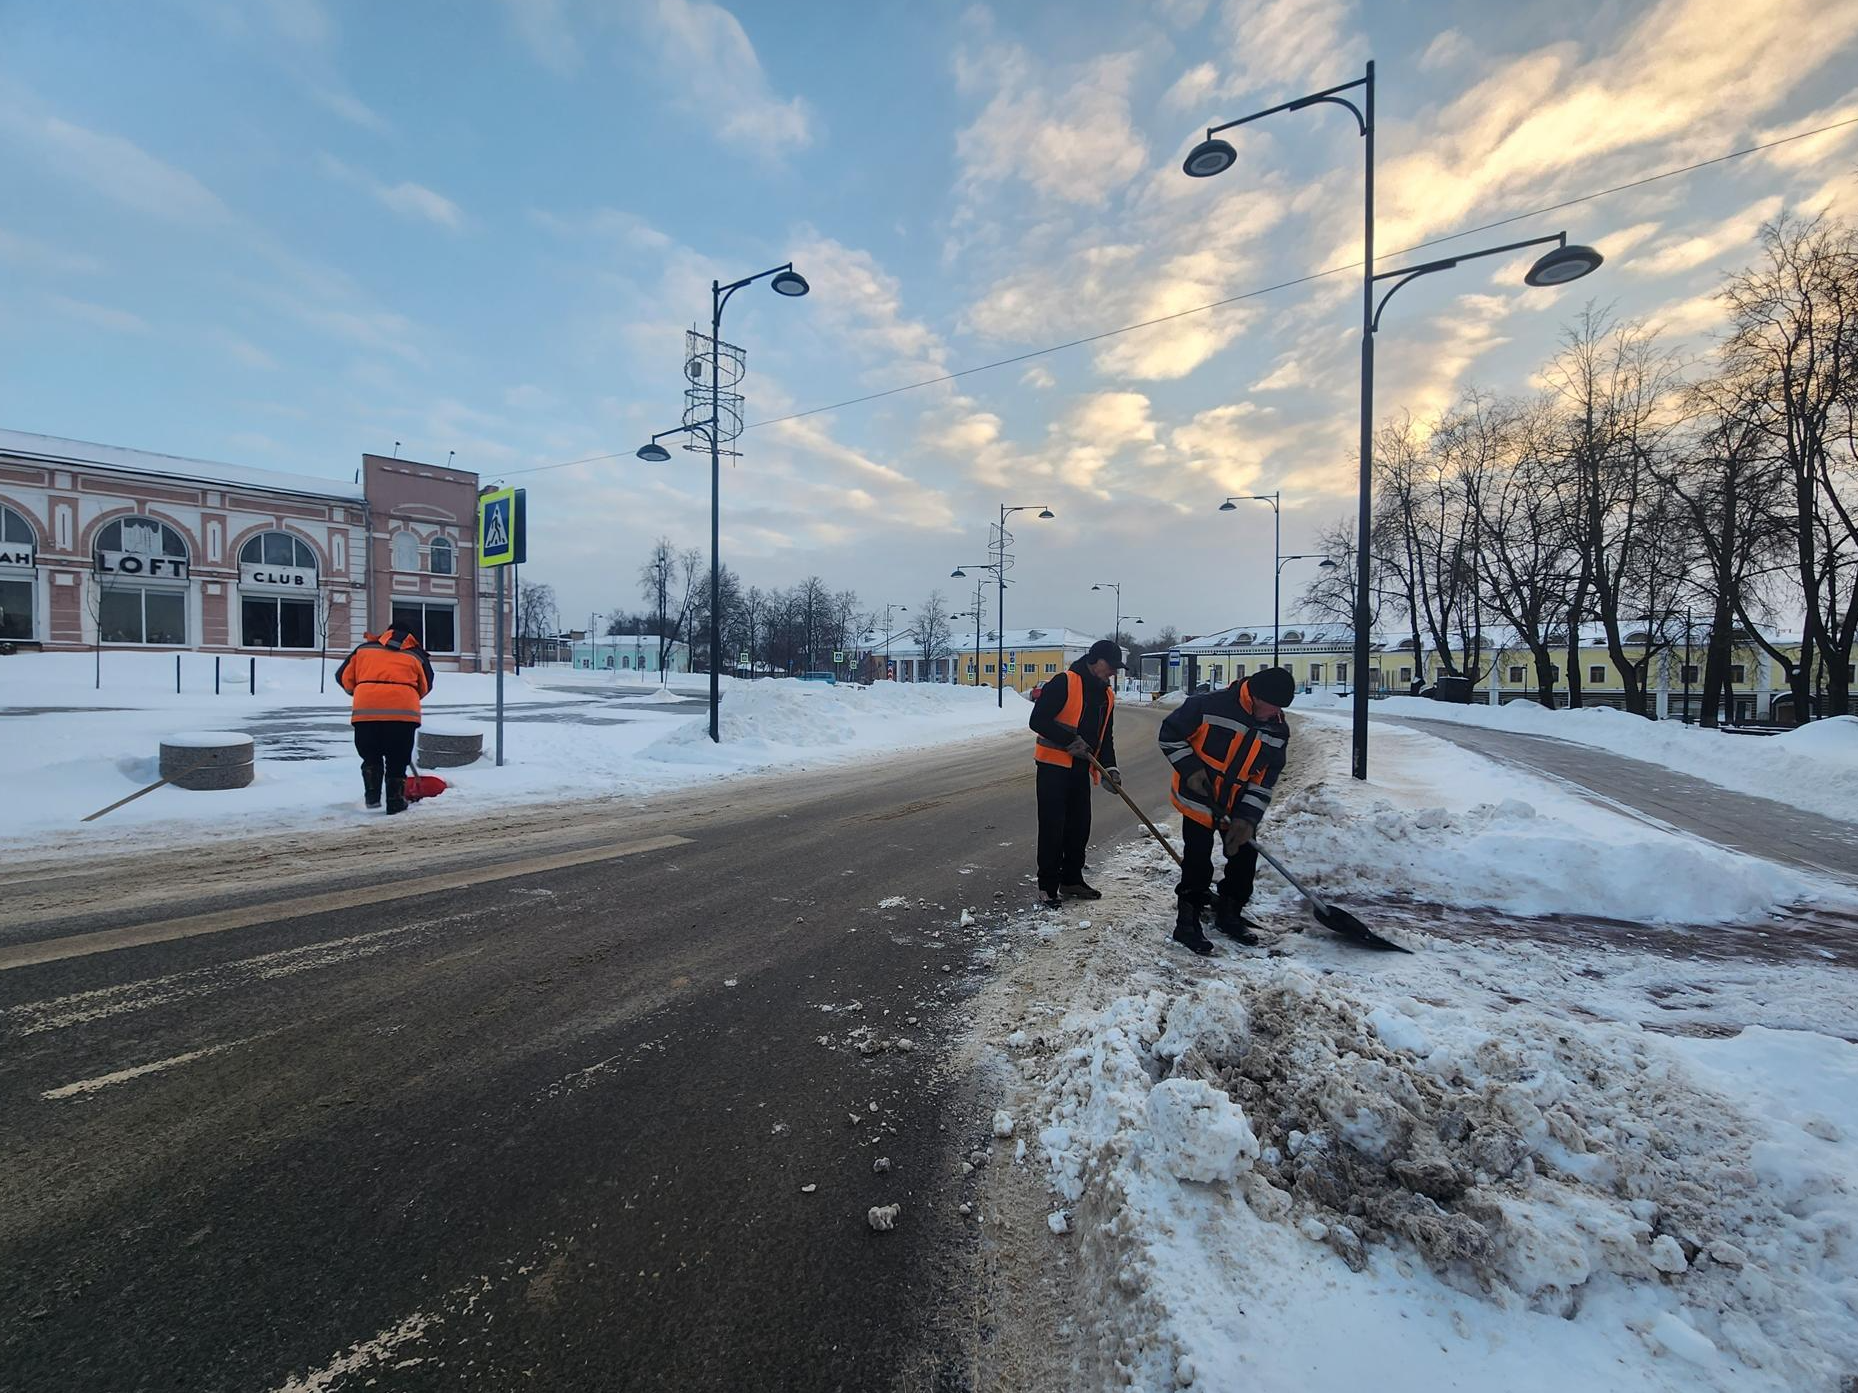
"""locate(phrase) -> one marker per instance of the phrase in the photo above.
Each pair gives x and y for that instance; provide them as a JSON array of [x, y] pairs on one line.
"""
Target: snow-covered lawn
[[1528, 1161], [1814, 767], [80, 749]]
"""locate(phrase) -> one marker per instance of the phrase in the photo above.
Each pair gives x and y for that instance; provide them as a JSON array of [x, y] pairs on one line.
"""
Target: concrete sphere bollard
[[449, 746], [207, 759]]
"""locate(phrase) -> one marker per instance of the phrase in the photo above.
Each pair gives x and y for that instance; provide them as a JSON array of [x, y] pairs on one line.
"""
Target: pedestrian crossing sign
[[499, 528]]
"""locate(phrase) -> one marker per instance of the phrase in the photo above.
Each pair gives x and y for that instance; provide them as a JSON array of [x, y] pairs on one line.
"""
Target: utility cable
[[1248, 294]]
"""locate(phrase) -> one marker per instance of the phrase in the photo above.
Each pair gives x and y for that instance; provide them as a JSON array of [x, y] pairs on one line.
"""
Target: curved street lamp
[[1213, 156], [998, 567], [783, 280], [1276, 501]]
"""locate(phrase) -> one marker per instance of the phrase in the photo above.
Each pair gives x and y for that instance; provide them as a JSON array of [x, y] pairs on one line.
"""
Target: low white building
[[631, 653]]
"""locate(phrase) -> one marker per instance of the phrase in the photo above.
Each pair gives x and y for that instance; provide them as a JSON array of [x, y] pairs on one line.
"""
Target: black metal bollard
[[215, 674], [177, 674], [254, 677]]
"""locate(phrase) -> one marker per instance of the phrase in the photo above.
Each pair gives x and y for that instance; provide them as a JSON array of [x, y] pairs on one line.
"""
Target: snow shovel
[[1154, 831], [1333, 917]]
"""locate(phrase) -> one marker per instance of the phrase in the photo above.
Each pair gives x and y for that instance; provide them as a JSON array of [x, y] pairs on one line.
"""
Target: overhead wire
[[1247, 294]]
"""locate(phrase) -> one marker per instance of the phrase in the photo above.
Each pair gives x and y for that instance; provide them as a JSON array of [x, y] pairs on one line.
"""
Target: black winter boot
[[371, 776], [1187, 928], [396, 796], [1077, 890], [1229, 918]]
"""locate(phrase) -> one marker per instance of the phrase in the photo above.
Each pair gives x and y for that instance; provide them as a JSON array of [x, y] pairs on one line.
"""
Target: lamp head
[[1047, 513], [1564, 264], [653, 453], [1326, 565], [790, 283], [958, 574], [1211, 156], [1228, 507]]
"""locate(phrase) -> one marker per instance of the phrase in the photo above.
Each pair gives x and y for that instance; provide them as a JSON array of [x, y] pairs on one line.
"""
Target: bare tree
[[668, 581], [537, 618], [932, 629], [1794, 336]]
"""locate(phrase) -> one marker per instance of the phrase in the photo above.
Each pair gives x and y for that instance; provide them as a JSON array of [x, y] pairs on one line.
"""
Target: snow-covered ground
[[1814, 767], [75, 749], [1531, 1160]]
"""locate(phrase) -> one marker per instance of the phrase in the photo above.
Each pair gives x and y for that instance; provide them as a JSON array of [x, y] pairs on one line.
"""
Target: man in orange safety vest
[[1073, 720]]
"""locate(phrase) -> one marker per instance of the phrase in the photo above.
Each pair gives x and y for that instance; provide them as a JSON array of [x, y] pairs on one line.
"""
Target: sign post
[[500, 528]]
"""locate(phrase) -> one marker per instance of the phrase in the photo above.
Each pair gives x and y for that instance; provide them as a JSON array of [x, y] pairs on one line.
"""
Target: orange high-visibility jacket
[[387, 675], [1062, 713], [1241, 752]]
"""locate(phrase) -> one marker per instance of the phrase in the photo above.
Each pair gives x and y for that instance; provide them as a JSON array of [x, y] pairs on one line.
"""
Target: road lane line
[[166, 931], [82, 1086]]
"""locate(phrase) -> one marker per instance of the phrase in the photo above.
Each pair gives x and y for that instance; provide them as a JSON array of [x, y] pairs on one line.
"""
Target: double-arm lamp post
[[998, 567], [1566, 263], [1116, 630], [783, 280]]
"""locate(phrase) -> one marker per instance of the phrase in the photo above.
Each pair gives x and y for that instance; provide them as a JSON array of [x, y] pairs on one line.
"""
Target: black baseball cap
[[1106, 651]]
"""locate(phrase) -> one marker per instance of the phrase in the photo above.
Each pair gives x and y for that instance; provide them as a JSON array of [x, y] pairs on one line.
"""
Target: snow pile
[[1583, 1201], [776, 715], [1506, 855], [1808, 768]]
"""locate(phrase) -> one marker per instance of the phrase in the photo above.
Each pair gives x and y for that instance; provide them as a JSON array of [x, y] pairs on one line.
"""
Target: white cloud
[[704, 48], [1289, 46], [35, 255], [303, 22], [408, 199], [1446, 48], [544, 28], [863, 304], [612, 223], [1734, 234], [108, 165], [1038, 376], [1813, 149], [98, 316], [350, 108], [1192, 88], [1070, 139], [245, 352]]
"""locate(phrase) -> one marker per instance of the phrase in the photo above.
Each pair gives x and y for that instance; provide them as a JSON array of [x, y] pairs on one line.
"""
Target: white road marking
[[83, 1086]]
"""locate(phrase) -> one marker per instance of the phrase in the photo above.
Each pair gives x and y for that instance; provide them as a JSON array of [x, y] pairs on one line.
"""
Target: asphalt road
[[1757, 826], [533, 1103]]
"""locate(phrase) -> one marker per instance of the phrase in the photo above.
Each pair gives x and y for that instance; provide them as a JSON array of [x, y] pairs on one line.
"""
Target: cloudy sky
[[283, 232]]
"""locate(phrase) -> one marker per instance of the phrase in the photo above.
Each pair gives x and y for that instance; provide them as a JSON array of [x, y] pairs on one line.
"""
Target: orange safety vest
[[1240, 753], [1072, 714], [387, 675]]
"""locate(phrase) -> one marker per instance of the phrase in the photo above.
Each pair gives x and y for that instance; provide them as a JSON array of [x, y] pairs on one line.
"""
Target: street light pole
[[1277, 539], [783, 280], [998, 567], [1214, 156]]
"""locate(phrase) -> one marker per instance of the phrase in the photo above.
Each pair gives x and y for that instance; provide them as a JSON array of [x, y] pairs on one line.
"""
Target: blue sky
[[283, 232]]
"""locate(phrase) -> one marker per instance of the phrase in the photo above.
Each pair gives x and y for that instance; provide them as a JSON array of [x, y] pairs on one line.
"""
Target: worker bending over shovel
[[1227, 749]]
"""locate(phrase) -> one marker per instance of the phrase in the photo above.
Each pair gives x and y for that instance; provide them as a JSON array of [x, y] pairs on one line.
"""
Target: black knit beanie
[[1273, 684]]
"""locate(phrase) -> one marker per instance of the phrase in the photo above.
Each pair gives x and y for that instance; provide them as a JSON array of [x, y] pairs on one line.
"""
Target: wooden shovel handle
[[1123, 794]]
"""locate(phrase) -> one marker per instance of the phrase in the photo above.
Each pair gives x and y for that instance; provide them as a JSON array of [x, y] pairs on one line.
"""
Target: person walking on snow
[[386, 674], [1227, 748], [1073, 720]]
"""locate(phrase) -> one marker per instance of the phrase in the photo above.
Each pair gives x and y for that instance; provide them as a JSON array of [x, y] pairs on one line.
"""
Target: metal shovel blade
[[1339, 921]]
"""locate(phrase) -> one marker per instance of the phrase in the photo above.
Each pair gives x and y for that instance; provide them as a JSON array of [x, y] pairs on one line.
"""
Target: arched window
[[277, 592], [405, 551], [277, 549], [18, 576], [142, 537], [441, 557], [141, 583]]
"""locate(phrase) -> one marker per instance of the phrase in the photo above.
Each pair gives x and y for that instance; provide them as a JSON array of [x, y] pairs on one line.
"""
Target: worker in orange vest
[[387, 674], [1227, 748], [1073, 720]]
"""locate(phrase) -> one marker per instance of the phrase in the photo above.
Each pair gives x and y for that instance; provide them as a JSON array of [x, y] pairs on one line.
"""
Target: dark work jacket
[[1241, 752], [1095, 720]]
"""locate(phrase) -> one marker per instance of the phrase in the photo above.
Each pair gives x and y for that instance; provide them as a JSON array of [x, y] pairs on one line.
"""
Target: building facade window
[[1689, 675], [405, 550], [434, 625], [277, 592], [1516, 672], [440, 557], [1316, 672], [1341, 672], [1596, 675], [1238, 671], [1738, 673], [1406, 676], [18, 575], [141, 573]]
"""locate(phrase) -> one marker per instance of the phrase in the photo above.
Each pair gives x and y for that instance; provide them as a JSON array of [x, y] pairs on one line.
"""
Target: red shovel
[[423, 786]]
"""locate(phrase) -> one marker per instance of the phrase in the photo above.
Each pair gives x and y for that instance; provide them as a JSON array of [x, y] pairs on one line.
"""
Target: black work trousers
[[1197, 871], [1064, 823], [385, 745]]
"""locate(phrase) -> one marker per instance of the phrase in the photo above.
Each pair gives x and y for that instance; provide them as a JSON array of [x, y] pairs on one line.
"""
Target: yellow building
[[1319, 657], [1027, 657]]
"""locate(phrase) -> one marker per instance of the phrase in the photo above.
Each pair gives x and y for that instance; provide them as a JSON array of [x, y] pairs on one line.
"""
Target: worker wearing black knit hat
[[1227, 749], [1074, 722]]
